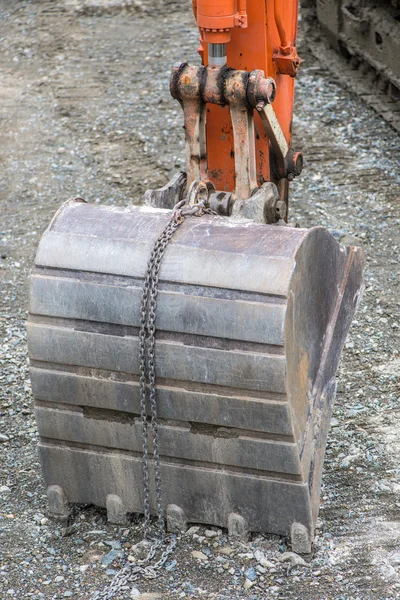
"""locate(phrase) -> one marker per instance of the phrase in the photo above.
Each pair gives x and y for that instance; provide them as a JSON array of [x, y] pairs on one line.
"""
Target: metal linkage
[[243, 92], [243, 135], [194, 111], [194, 87], [288, 163]]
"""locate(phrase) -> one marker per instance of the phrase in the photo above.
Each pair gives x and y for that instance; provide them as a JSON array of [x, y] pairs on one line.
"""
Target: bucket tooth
[[176, 519], [237, 527], [300, 539], [251, 322], [116, 512], [58, 503]]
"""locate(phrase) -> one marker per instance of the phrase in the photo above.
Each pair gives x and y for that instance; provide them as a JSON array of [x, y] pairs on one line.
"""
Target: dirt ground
[[85, 110]]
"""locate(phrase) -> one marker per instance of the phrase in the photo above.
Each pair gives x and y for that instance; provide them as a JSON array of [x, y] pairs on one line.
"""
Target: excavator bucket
[[251, 321]]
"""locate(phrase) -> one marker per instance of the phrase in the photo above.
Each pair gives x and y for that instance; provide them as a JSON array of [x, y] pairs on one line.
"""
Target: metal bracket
[[265, 206], [287, 60], [169, 195]]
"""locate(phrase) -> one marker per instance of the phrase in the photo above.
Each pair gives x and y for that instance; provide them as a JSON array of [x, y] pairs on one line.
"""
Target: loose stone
[[294, 559], [199, 555]]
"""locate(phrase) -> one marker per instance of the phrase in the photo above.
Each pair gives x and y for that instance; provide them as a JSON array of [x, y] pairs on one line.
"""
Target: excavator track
[[359, 65]]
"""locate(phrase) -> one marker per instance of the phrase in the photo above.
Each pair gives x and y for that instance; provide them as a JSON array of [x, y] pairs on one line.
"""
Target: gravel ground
[[80, 116]]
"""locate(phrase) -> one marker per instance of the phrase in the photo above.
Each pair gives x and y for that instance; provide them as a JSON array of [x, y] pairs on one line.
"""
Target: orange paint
[[217, 18], [256, 46]]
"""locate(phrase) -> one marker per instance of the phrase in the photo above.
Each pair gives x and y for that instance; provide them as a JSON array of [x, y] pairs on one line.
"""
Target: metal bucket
[[251, 322]]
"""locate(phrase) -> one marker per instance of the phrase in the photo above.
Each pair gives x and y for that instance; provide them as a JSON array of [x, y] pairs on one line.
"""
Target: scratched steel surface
[[244, 410]]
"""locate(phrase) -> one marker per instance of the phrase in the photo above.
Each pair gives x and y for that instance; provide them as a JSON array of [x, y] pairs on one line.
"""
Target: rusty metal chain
[[131, 572]]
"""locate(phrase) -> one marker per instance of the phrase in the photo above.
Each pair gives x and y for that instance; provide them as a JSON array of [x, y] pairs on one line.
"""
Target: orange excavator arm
[[257, 35]]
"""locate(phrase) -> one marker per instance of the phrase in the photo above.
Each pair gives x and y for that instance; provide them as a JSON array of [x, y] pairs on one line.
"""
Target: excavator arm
[[258, 36]]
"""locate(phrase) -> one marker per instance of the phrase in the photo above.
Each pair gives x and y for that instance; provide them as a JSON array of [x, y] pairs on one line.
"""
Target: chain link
[[131, 572], [148, 328]]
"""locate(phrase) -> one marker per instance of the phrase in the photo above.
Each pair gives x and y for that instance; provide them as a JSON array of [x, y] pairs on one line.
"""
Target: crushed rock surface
[[85, 111]]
